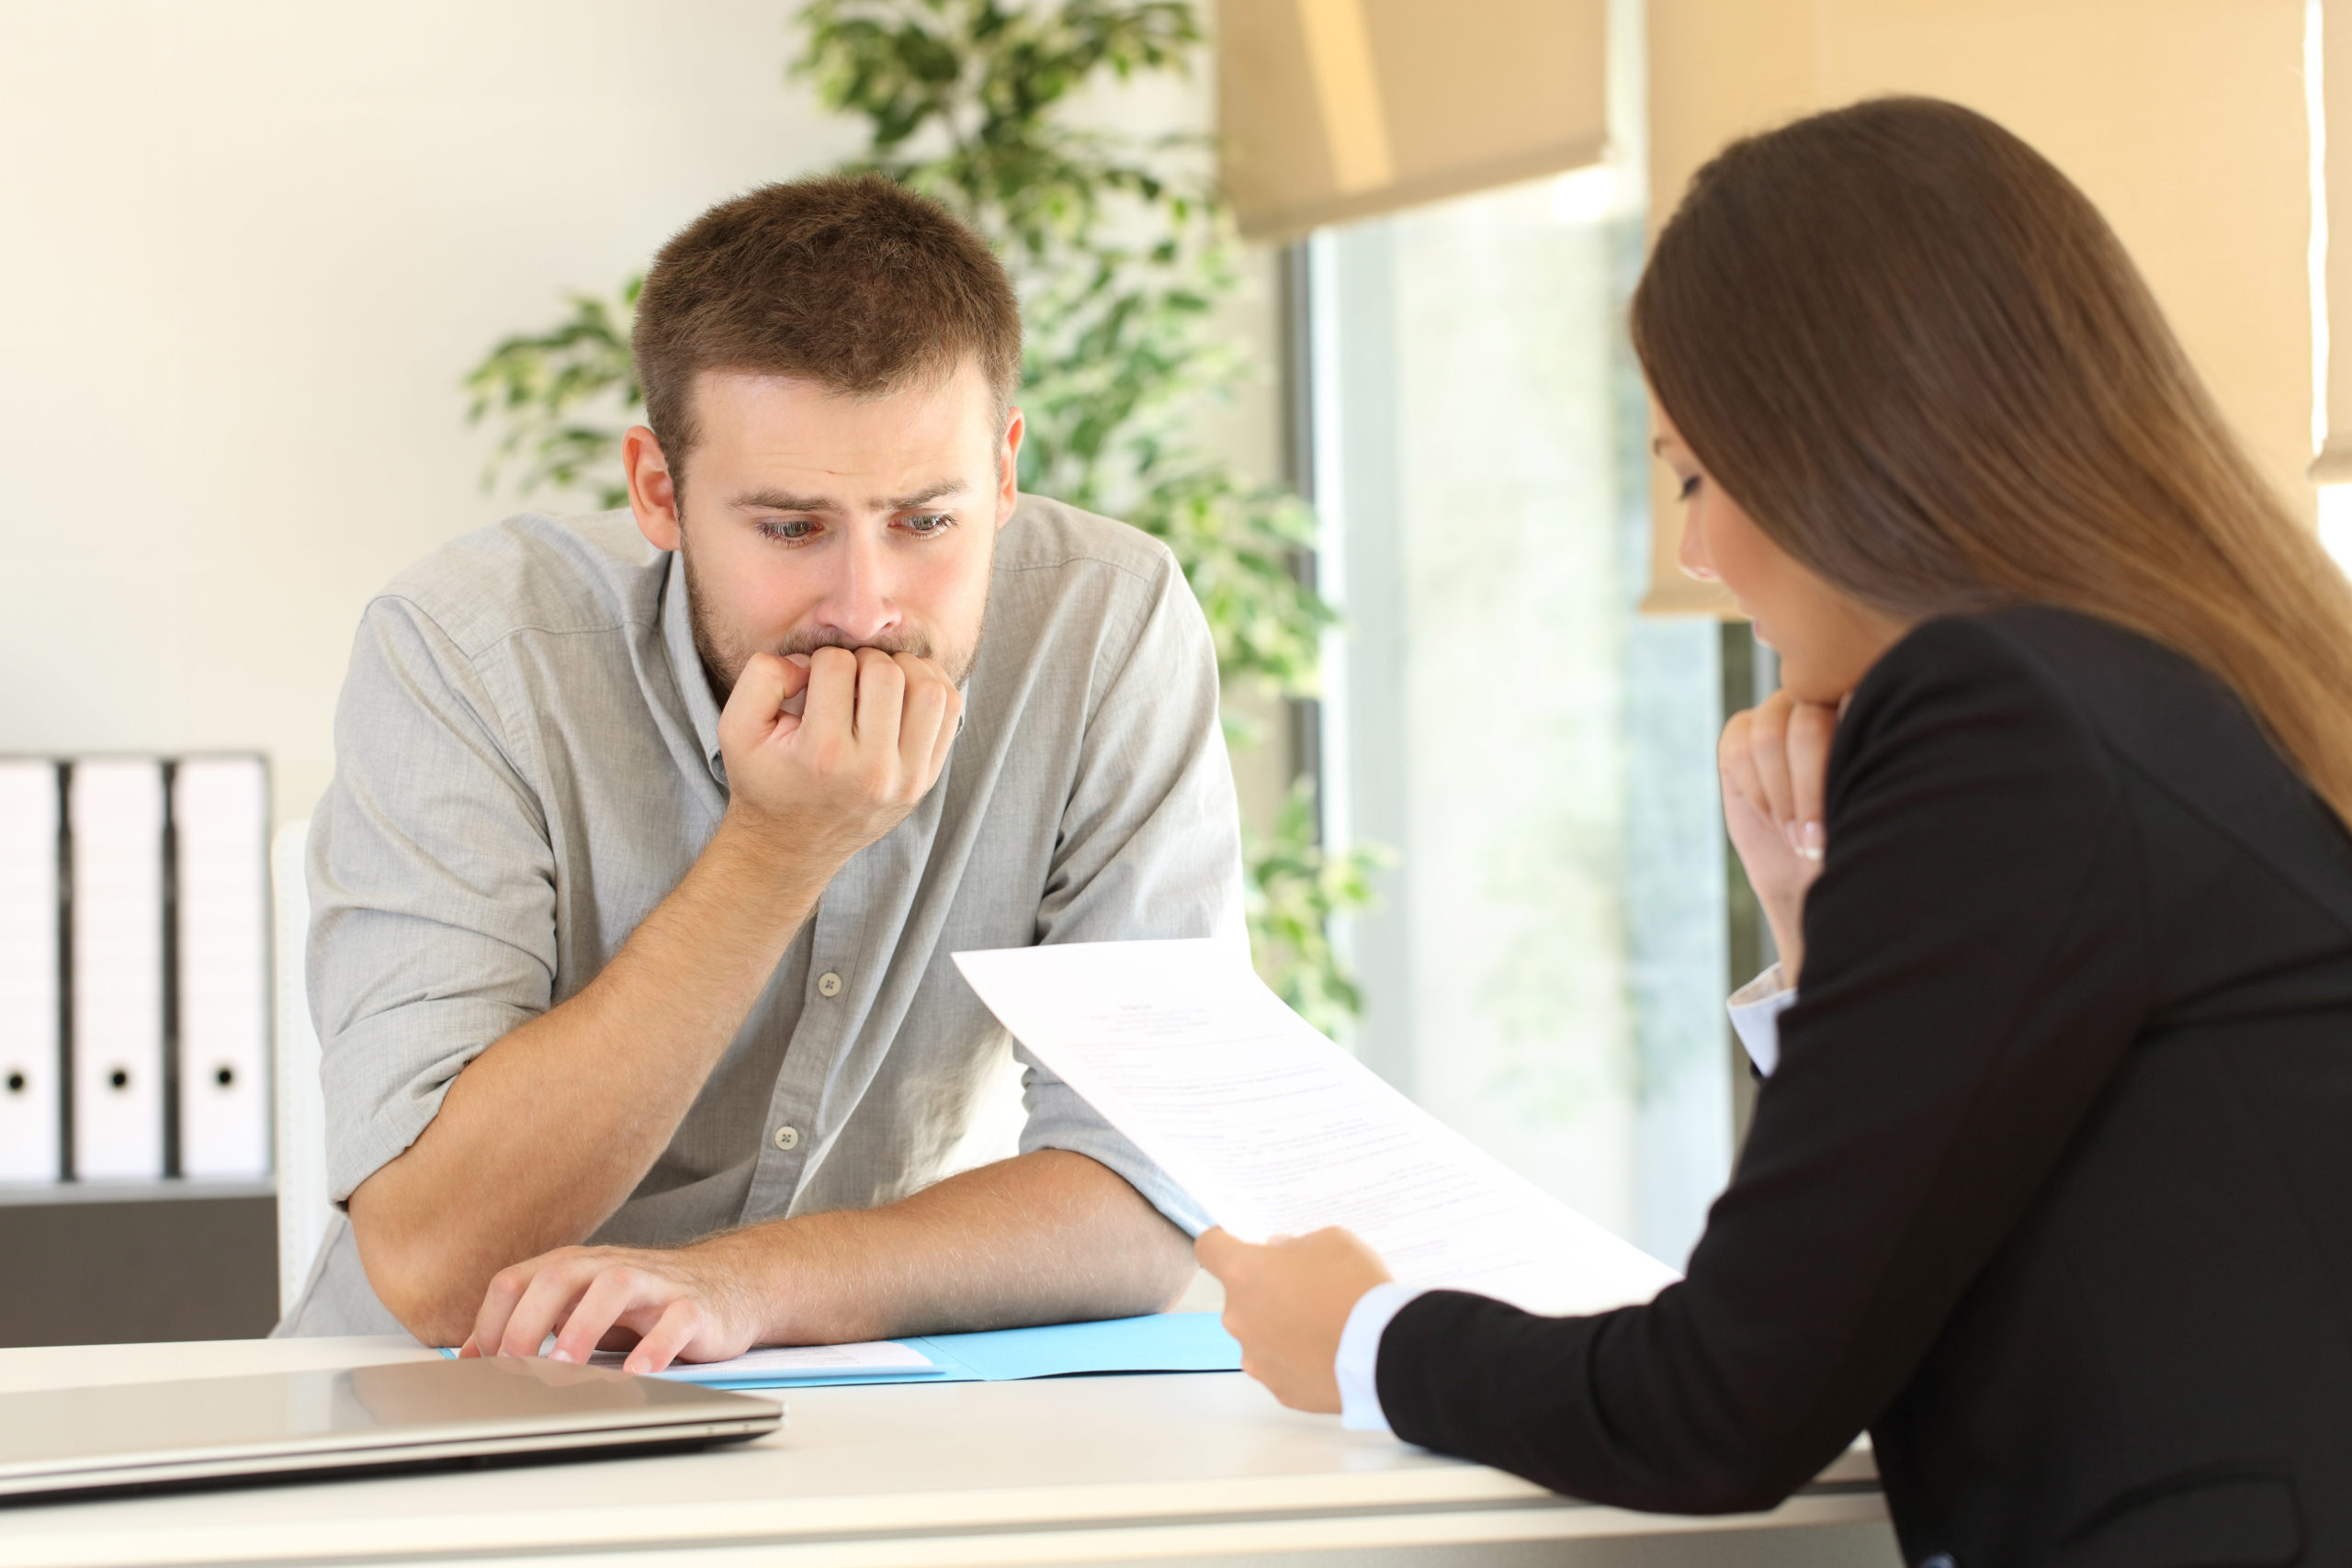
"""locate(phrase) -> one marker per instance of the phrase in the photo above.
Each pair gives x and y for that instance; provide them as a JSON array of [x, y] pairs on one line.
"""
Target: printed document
[[874, 1360], [1278, 1132]]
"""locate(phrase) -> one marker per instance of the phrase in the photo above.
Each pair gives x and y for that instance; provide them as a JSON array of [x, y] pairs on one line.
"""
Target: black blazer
[[2051, 1189]]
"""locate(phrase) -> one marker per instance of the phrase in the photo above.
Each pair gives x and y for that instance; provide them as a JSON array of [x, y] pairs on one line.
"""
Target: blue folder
[[1163, 1342]]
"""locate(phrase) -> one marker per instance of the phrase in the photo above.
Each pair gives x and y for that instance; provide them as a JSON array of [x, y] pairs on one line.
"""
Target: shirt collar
[[685, 664]]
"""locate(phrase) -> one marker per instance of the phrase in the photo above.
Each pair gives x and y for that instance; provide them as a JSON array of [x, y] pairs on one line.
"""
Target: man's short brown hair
[[854, 282]]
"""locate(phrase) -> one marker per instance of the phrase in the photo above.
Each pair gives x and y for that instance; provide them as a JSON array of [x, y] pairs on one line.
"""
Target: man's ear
[[1008, 468], [652, 493]]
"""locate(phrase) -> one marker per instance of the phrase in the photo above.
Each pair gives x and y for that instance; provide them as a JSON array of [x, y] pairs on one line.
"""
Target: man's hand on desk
[[1048, 1236], [703, 1302], [1288, 1303]]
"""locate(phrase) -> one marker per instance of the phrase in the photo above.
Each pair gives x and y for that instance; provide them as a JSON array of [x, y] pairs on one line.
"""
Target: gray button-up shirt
[[526, 761]]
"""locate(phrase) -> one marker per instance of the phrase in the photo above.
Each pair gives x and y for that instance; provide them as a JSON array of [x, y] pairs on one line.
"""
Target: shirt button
[[829, 984], [788, 1138]]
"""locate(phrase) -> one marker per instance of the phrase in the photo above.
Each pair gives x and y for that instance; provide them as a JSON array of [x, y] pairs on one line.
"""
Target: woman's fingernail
[[1812, 839], [559, 1354]]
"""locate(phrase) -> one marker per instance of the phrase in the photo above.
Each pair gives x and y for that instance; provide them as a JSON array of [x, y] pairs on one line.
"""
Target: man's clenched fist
[[830, 751]]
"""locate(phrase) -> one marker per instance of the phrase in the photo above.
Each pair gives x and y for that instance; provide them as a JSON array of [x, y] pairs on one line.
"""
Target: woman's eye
[[1689, 487]]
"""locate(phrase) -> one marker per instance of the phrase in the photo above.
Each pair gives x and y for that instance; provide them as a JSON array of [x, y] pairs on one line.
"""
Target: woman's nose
[[1691, 555]]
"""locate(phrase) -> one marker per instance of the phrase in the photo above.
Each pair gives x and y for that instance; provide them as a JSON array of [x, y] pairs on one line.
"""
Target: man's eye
[[790, 529], [930, 523]]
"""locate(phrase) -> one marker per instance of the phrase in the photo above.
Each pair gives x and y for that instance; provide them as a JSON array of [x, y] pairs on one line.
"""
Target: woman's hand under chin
[[1288, 1303], [1775, 764]]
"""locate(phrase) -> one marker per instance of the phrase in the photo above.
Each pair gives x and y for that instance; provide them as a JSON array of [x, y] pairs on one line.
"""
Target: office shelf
[[120, 1262], [20, 1194]]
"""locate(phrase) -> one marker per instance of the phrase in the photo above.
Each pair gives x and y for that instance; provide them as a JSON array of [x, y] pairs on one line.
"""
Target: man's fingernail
[[559, 1354]]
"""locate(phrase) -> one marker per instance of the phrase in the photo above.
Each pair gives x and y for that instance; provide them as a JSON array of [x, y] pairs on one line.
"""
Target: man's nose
[[859, 607]]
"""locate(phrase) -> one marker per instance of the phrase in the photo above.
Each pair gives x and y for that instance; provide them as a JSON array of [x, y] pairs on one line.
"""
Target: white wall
[[247, 252]]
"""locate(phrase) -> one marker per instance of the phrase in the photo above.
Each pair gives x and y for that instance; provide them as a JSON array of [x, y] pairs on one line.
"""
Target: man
[[651, 835]]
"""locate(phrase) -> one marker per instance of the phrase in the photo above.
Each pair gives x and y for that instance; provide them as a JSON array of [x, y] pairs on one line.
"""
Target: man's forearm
[[1047, 1237], [545, 1133]]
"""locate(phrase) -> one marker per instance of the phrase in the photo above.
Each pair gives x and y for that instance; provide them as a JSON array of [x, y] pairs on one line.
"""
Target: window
[[1546, 971]]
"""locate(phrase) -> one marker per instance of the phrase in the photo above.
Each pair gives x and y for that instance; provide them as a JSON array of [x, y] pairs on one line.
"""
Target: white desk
[[1159, 1470]]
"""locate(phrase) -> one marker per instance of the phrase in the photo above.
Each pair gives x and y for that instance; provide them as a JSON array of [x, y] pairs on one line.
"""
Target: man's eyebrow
[[778, 501], [925, 496]]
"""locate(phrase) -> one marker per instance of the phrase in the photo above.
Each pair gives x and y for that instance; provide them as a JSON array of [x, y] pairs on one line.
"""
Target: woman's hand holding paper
[[1288, 1303]]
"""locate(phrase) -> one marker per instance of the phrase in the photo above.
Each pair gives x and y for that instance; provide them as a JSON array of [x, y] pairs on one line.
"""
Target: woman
[[2051, 1188]]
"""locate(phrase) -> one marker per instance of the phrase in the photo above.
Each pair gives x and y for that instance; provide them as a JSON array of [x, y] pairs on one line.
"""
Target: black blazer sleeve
[[1974, 970]]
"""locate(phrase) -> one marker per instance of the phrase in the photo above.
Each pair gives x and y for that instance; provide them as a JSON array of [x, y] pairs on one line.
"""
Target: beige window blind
[[1336, 110], [2181, 118], [2184, 120], [2335, 464]]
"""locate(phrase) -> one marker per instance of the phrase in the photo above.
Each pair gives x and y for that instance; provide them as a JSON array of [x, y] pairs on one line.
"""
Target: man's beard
[[724, 653]]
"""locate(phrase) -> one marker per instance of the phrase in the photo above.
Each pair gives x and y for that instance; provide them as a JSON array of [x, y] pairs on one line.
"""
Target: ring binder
[[220, 821], [116, 816], [32, 1058]]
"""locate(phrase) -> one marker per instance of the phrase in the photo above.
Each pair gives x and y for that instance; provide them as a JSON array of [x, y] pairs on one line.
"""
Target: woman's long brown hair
[[1918, 356]]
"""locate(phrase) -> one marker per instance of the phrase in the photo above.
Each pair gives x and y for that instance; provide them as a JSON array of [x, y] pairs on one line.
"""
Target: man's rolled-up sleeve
[[431, 890], [1150, 849]]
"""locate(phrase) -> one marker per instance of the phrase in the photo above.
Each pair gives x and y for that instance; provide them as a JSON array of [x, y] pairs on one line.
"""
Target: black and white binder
[[221, 836], [115, 816], [31, 1108]]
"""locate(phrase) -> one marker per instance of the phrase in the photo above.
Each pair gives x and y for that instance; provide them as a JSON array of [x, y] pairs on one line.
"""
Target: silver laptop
[[280, 1424]]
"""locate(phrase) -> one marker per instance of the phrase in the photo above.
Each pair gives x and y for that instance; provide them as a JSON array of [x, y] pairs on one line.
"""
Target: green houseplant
[[1123, 252]]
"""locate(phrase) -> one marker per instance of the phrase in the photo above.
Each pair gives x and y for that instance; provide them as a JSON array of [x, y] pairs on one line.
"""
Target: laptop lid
[[407, 1412]]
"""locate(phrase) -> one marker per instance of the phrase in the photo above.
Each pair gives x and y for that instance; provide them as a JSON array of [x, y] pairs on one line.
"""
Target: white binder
[[114, 813], [219, 821], [31, 1110]]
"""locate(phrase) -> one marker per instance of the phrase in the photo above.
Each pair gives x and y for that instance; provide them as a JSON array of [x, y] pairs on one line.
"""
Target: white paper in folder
[[1277, 1131]]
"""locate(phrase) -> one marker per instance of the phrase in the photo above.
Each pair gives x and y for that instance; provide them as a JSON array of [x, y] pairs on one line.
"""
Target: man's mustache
[[801, 645], [798, 648]]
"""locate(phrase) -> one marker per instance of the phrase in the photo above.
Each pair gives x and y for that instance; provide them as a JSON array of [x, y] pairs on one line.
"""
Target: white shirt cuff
[[1358, 1363], [1756, 1009]]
